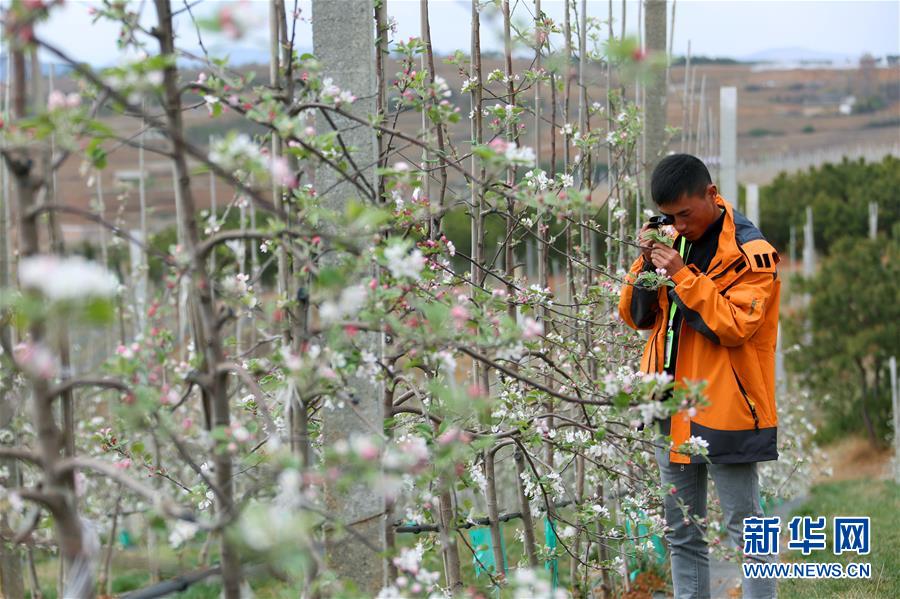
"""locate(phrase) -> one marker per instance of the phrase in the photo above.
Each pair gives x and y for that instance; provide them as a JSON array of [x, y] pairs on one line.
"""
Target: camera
[[658, 221]]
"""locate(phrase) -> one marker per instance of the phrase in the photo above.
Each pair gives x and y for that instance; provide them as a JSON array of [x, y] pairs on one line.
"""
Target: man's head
[[682, 188]]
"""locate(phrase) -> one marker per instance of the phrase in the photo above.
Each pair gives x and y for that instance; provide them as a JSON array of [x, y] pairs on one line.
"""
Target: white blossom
[[232, 153], [522, 156], [478, 477], [537, 178], [66, 278], [403, 263], [443, 89], [351, 301], [697, 443], [410, 560], [181, 533], [211, 102]]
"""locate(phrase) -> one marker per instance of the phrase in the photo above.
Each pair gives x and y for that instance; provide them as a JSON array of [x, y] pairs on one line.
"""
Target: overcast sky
[[715, 27]]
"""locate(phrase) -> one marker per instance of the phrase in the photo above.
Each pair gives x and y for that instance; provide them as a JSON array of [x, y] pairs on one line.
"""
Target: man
[[718, 323]]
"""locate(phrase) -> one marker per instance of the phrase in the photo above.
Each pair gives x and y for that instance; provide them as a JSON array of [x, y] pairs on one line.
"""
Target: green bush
[[763, 132], [839, 195]]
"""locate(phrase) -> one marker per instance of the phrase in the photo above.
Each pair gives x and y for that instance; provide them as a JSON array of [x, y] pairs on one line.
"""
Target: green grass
[[879, 500]]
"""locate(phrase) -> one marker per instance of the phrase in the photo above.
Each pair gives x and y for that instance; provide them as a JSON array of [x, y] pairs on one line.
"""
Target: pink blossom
[[240, 434], [498, 145], [228, 23], [531, 329], [281, 172], [365, 448], [56, 100], [35, 360], [453, 434], [459, 314]]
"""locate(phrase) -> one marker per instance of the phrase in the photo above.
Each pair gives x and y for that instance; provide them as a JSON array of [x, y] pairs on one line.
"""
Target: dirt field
[[781, 112], [855, 458]]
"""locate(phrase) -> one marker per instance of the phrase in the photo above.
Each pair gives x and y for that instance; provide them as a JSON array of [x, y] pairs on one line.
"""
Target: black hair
[[677, 175]]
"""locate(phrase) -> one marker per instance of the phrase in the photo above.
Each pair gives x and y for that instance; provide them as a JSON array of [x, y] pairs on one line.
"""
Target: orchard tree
[[853, 324], [197, 404]]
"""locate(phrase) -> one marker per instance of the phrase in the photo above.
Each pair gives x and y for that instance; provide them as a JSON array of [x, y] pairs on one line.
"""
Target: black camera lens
[[658, 221]]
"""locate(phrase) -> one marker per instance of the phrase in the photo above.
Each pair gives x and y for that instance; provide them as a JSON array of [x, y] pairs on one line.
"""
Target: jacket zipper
[[747, 399]]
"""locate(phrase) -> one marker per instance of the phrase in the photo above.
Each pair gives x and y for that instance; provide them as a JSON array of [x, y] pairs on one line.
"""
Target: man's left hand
[[665, 257]]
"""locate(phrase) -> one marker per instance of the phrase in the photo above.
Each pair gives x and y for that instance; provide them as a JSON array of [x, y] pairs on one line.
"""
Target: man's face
[[693, 214]]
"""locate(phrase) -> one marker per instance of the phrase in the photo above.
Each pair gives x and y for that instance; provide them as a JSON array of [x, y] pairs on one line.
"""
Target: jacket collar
[[728, 249]]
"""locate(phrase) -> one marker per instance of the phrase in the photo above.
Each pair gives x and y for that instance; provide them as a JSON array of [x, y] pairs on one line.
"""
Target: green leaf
[[99, 311], [96, 154]]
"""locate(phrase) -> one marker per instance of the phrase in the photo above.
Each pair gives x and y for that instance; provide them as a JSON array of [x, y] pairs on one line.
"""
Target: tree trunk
[[206, 333], [525, 507], [490, 493]]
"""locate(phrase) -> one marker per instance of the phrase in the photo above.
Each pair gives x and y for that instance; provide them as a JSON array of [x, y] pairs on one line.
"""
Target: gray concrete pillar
[[895, 401], [873, 220], [780, 371], [809, 245], [344, 42], [728, 144], [753, 203], [656, 94]]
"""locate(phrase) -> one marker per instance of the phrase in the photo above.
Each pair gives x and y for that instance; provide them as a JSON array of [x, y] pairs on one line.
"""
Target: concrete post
[[780, 372], [656, 94], [873, 220], [344, 43], [809, 245], [792, 246], [728, 144], [753, 203], [895, 399], [136, 259]]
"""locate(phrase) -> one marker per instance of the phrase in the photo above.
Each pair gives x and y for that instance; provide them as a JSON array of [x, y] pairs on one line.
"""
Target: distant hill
[[798, 55]]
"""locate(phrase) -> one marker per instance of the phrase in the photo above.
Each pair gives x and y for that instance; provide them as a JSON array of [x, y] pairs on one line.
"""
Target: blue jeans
[[738, 489]]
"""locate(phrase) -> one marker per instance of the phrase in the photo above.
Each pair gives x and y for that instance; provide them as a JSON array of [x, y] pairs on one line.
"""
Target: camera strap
[[670, 332]]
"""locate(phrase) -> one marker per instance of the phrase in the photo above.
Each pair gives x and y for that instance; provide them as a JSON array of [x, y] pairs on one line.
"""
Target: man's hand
[[665, 257], [646, 244]]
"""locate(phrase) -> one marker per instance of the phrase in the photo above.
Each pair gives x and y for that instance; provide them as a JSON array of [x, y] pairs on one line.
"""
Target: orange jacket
[[731, 313]]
